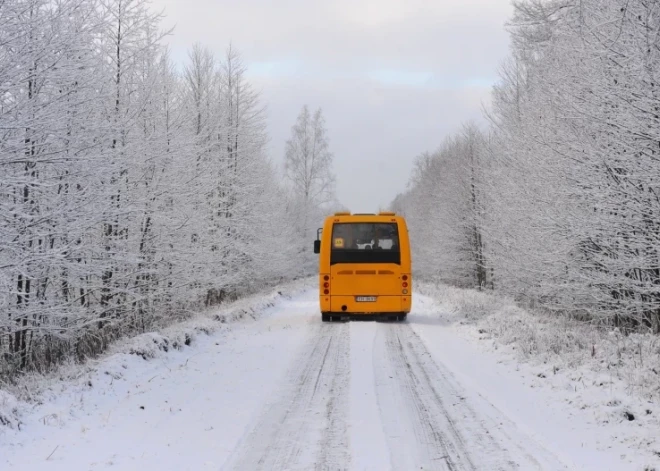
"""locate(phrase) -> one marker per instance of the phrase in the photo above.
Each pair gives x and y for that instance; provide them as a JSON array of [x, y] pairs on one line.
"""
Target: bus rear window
[[365, 243]]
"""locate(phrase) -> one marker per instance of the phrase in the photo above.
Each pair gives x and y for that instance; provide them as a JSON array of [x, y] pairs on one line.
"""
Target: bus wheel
[[325, 317]]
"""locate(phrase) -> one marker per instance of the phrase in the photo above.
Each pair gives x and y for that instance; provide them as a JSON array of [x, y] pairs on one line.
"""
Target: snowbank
[[611, 377], [34, 389]]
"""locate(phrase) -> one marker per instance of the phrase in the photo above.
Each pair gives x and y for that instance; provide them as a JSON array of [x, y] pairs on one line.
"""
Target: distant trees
[[308, 167], [443, 207], [130, 194], [568, 173]]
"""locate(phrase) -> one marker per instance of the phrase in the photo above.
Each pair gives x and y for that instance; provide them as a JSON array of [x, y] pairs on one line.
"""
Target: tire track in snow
[[332, 450], [305, 426], [449, 433], [420, 434]]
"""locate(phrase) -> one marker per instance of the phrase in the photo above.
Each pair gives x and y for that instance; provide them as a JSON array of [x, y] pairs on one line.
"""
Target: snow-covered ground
[[604, 384], [281, 390]]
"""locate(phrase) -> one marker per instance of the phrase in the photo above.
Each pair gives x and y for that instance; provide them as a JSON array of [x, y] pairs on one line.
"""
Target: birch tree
[[308, 169]]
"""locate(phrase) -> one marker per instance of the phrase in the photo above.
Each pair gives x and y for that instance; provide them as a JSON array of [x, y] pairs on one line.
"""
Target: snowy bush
[[8, 410]]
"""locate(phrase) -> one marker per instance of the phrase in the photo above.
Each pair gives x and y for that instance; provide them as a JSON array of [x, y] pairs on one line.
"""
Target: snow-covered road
[[288, 392], [370, 396]]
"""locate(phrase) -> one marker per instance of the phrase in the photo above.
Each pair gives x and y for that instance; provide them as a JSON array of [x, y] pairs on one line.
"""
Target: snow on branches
[[130, 193], [568, 175]]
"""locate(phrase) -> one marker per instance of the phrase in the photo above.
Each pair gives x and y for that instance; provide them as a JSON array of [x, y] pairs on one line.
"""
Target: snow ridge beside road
[[35, 389]]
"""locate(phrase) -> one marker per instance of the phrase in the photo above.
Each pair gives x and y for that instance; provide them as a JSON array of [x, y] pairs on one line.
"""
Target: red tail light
[[404, 277], [404, 284], [326, 284]]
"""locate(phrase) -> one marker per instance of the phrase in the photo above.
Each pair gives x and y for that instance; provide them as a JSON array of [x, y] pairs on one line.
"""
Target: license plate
[[365, 299]]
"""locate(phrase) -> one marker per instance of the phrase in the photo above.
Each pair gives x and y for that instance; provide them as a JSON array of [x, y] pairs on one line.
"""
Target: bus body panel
[[356, 279], [346, 281]]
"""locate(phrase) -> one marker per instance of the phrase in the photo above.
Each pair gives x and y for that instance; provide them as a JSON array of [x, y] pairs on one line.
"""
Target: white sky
[[393, 77]]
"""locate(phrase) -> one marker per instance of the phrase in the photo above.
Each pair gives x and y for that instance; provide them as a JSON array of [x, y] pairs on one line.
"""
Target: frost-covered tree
[[308, 168], [49, 152], [130, 193], [577, 119], [443, 206], [308, 160], [568, 173]]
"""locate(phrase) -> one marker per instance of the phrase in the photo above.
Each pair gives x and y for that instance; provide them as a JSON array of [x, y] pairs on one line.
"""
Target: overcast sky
[[393, 77]]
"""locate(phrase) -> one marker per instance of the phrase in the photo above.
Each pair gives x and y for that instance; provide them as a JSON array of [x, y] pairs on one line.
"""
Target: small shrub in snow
[[8, 410], [148, 345]]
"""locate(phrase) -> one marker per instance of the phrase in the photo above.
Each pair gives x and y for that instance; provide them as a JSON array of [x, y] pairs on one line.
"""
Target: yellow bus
[[364, 266]]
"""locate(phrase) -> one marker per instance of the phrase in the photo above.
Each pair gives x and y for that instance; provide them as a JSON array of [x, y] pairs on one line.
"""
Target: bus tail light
[[404, 284], [404, 277], [326, 284]]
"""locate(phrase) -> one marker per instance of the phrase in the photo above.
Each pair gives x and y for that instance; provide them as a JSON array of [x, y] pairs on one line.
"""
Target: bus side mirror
[[317, 246]]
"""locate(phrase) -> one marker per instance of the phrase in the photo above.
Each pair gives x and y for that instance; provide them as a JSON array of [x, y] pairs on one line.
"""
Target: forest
[[555, 201], [134, 192]]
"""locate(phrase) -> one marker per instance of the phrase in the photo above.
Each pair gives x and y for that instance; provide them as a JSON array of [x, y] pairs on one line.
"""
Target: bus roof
[[381, 217], [381, 213]]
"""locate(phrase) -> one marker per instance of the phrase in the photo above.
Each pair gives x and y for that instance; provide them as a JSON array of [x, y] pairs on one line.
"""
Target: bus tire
[[325, 317]]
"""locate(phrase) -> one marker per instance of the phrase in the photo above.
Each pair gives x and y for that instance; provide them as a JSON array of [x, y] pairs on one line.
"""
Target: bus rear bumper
[[344, 317], [383, 305]]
